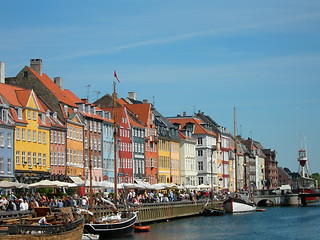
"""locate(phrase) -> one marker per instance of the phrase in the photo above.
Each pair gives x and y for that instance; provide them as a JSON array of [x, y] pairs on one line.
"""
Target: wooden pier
[[151, 212]]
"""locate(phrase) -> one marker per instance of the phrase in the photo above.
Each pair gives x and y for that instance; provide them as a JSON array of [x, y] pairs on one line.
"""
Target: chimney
[[184, 114], [145, 100], [36, 64], [132, 95], [58, 82], [2, 74]]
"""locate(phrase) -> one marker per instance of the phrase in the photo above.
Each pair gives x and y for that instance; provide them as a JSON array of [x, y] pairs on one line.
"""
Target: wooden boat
[[213, 212], [67, 225], [112, 227], [237, 205]]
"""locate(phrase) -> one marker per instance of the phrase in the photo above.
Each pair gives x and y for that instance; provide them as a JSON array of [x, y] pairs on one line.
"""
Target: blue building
[[6, 142]]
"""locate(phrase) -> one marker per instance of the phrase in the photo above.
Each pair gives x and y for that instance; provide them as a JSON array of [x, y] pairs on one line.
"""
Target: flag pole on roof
[[116, 76]]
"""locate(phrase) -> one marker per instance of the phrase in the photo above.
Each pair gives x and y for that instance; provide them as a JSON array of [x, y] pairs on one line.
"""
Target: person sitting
[[43, 221]]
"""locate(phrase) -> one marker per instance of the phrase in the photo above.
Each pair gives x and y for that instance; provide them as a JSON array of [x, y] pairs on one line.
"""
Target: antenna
[[97, 92], [88, 86], [153, 101]]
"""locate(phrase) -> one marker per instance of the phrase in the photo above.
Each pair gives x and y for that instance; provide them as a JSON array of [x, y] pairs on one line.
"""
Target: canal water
[[274, 223]]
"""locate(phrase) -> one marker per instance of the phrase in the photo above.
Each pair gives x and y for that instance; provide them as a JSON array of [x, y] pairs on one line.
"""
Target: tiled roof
[[198, 128], [58, 92], [142, 110], [9, 93]]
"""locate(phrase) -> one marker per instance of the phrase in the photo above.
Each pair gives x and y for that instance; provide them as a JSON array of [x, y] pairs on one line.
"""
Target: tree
[[316, 176]]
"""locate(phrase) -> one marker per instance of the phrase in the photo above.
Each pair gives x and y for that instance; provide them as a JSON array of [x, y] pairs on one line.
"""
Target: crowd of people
[[29, 201]]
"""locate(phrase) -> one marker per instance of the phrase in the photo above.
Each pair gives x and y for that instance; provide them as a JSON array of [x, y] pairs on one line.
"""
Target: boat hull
[[233, 206], [75, 234], [112, 229]]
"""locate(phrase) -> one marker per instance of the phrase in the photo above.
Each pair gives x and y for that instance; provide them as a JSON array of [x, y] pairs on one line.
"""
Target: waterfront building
[[31, 143], [271, 168], [224, 153], [107, 145], [58, 133], [284, 178], [53, 95], [188, 172], [92, 137], [138, 147], [205, 146], [143, 111], [6, 141], [168, 150]]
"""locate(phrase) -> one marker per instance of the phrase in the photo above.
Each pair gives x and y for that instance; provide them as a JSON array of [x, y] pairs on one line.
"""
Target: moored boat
[[119, 225], [67, 225], [236, 205]]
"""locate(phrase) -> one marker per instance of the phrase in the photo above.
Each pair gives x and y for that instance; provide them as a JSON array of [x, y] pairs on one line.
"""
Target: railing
[[149, 212]]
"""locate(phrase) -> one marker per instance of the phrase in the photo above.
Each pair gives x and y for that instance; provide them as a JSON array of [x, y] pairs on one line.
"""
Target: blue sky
[[262, 57]]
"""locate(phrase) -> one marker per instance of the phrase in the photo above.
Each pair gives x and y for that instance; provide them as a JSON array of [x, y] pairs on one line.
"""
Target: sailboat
[[239, 203], [118, 223]]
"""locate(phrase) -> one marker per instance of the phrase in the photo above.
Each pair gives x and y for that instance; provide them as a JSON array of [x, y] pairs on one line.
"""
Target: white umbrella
[[61, 184], [7, 184], [44, 183], [203, 186]]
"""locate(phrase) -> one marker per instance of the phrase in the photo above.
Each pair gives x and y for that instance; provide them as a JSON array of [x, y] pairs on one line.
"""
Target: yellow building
[[164, 171], [75, 166], [175, 162], [31, 141]]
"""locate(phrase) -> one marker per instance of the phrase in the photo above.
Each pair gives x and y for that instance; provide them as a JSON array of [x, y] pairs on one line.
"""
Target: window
[[200, 166], [29, 114], [39, 159], [17, 133], [34, 136], [54, 137], [200, 180], [1, 164], [1, 139], [17, 157], [23, 134], [29, 158], [44, 138], [59, 138], [9, 165], [51, 158], [44, 159], [29, 135], [59, 159], [23, 158], [200, 140], [200, 153], [62, 159], [19, 113], [34, 116], [39, 137], [34, 159], [62, 138]]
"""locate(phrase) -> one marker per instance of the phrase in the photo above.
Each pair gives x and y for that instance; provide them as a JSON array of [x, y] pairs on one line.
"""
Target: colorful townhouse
[[205, 147], [92, 137], [51, 92], [143, 111], [6, 141], [32, 134], [188, 171], [168, 153], [107, 145]]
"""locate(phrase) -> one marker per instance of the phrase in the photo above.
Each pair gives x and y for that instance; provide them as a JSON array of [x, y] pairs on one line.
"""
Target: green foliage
[[316, 176], [45, 190]]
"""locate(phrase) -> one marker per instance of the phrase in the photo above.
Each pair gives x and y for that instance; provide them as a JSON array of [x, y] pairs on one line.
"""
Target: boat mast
[[114, 97], [235, 150], [90, 173]]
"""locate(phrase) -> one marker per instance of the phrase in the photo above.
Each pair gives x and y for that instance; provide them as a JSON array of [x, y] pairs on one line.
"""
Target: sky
[[260, 57]]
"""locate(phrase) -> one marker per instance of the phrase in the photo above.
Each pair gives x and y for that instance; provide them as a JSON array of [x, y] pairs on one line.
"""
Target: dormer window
[[43, 120], [19, 113], [66, 109], [88, 109], [4, 116]]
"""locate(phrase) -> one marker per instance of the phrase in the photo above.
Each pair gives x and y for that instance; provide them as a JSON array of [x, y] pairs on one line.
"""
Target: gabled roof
[[142, 110], [52, 87], [9, 93], [197, 123]]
